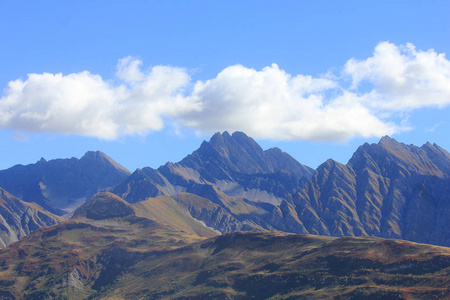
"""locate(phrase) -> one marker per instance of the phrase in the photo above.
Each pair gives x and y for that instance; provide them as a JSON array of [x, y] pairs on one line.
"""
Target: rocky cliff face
[[19, 218], [61, 185], [387, 189]]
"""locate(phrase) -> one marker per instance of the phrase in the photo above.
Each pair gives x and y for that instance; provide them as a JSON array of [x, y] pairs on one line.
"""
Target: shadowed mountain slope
[[19, 218], [61, 185], [142, 184], [387, 189]]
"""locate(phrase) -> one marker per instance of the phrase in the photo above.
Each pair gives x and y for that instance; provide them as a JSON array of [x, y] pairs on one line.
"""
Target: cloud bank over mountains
[[362, 100]]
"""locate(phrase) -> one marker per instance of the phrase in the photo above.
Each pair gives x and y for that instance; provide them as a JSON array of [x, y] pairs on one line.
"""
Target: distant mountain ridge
[[387, 189], [60, 185]]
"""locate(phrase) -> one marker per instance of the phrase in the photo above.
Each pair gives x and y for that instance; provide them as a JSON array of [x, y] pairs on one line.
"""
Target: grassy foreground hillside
[[274, 265], [78, 260], [113, 250]]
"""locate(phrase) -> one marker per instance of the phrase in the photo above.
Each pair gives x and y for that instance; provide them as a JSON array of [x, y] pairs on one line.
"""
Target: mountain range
[[60, 185], [388, 189], [230, 183], [225, 219]]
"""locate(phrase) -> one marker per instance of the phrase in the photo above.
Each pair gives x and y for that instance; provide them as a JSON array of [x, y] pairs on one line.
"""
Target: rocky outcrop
[[239, 167]]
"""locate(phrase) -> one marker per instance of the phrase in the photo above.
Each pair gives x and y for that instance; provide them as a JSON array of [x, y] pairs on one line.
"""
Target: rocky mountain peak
[[392, 146], [219, 137], [240, 153], [42, 161], [386, 140], [237, 138], [99, 156], [426, 160], [95, 155], [236, 152]]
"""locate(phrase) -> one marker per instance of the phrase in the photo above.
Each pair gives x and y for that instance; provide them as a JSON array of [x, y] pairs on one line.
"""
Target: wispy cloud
[[20, 137], [433, 128], [267, 103]]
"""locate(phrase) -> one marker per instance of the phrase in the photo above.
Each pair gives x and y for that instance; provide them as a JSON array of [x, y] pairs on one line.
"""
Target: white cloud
[[129, 69], [83, 103], [402, 77], [267, 103], [273, 104]]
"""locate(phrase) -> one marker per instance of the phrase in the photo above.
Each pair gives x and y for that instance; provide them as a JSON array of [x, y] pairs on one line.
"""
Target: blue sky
[[147, 81]]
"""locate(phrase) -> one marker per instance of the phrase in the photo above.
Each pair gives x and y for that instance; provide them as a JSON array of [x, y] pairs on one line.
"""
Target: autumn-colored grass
[[155, 254]]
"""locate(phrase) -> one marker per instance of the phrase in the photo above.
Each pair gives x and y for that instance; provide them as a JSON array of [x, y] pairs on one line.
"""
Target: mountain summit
[[61, 185], [226, 153], [235, 164]]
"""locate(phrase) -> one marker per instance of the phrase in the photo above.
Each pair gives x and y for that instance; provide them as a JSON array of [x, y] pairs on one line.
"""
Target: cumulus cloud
[[83, 103], [267, 103], [273, 104], [402, 77]]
